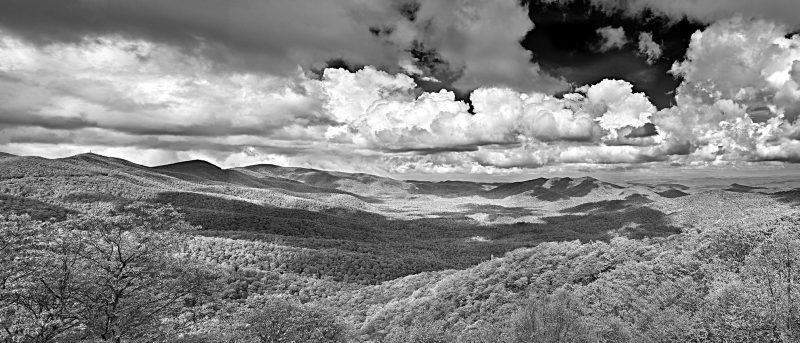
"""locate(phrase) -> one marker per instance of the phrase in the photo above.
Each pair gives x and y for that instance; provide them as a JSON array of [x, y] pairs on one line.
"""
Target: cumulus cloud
[[475, 43], [155, 102], [751, 62], [111, 90], [648, 48], [733, 68], [611, 38], [121, 92], [712, 122], [381, 111], [619, 105]]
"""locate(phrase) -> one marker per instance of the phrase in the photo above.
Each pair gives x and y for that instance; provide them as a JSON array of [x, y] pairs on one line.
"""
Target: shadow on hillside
[[390, 248], [672, 193], [790, 196], [739, 188], [499, 210], [609, 205], [217, 213], [448, 189], [215, 176], [300, 187], [34, 208], [558, 189], [600, 223]]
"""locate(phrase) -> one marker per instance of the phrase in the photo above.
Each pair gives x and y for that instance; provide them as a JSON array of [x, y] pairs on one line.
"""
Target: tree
[[554, 318], [775, 268], [131, 272], [432, 332], [277, 320], [108, 275], [36, 281]]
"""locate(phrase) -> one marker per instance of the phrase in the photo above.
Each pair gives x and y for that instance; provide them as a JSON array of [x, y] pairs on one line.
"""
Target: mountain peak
[[190, 164]]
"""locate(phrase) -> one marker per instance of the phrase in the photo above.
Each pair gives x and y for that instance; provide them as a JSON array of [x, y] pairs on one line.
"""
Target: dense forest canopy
[[116, 252]]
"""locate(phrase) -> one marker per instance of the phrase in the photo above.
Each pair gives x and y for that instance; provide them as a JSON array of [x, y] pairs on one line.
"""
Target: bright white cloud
[[620, 106], [747, 61], [611, 38], [381, 111], [140, 87], [649, 48], [733, 68], [152, 102]]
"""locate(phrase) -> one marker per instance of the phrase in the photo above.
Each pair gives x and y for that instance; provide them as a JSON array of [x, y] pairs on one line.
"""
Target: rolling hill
[[88, 178], [387, 256]]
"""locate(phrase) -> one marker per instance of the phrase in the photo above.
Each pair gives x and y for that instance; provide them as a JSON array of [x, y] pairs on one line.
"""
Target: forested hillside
[[94, 248]]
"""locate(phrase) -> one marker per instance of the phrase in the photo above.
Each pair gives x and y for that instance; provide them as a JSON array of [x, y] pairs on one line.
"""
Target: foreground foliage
[[109, 275], [132, 273], [726, 284], [115, 271]]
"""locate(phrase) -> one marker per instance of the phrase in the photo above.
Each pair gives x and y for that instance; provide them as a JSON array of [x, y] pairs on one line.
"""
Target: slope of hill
[[389, 256], [735, 187], [791, 196], [90, 177], [450, 189], [673, 193], [306, 207], [553, 189], [362, 184], [514, 188], [91, 160]]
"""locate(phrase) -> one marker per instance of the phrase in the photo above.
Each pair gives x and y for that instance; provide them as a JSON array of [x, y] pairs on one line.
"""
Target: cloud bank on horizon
[[247, 81]]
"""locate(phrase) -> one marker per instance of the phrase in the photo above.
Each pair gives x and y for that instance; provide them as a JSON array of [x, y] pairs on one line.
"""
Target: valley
[[393, 259]]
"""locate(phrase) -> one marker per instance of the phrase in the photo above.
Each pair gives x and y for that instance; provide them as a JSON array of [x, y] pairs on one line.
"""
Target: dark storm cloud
[[102, 137], [216, 129], [266, 35], [457, 45], [466, 43], [706, 11], [426, 151], [17, 119]]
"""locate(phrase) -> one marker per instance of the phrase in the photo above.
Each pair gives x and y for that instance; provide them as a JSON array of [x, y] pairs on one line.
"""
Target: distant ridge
[[553, 189], [294, 180], [203, 171], [359, 183], [100, 160], [742, 188], [672, 193], [254, 175], [189, 166], [514, 188]]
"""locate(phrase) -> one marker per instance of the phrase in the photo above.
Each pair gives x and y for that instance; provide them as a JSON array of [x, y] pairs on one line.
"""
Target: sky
[[476, 88]]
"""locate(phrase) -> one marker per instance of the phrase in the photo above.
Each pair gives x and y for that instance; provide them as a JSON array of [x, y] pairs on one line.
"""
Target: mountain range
[[107, 178], [380, 252]]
